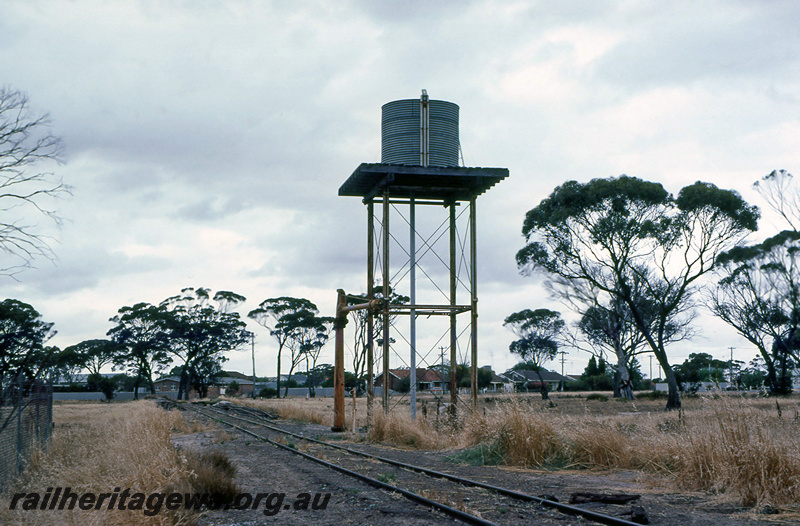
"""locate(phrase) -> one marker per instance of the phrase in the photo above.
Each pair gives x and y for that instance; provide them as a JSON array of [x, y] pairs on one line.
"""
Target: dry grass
[[739, 449], [398, 429], [745, 450], [99, 447], [731, 447], [314, 410]]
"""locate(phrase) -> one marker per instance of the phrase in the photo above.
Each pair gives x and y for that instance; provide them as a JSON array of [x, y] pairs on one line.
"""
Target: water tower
[[419, 175]]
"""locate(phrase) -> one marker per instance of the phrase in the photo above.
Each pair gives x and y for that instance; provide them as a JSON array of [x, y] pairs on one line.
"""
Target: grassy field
[[746, 449], [98, 447]]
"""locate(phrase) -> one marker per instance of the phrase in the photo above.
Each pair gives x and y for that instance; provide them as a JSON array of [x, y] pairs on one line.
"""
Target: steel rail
[[448, 510], [564, 508]]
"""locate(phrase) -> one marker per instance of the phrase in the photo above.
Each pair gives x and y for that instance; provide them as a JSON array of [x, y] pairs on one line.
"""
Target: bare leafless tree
[[26, 143]]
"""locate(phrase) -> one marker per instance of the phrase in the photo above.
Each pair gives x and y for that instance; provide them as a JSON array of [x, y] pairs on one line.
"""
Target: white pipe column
[[370, 313], [386, 294], [424, 159], [412, 312]]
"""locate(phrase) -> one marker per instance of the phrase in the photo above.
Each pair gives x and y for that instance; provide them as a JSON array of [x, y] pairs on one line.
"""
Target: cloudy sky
[[206, 141]]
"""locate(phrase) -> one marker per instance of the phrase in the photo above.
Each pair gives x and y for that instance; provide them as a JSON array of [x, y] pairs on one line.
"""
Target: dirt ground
[[264, 468]]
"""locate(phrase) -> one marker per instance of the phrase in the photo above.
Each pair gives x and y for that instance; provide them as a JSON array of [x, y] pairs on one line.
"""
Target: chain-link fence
[[26, 420]]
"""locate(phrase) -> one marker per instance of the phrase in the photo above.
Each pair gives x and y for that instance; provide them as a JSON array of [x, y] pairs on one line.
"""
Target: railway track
[[454, 496]]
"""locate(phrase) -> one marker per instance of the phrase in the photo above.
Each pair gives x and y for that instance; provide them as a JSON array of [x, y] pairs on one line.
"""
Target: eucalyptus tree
[[206, 371], [306, 334], [23, 356], [199, 333], [93, 355], [538, 332], [277, 316], [619, 236], [68, 365], [611, 327], [758, 294], [141, 336], [312, 334]]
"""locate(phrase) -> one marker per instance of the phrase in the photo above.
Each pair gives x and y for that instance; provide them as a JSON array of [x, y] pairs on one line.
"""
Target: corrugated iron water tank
[[403, 127]]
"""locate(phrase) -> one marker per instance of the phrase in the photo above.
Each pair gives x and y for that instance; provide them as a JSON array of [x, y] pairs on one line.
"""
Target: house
[[172, 383], [169, 383], [223, 383], [498, 384], [427, 379], [529, 380], [76, 379]]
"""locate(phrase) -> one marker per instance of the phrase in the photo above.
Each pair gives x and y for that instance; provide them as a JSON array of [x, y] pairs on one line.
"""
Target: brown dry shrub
[[400, 430], [741, 450], [97, 448], [600, 444], [314, 410], [523, 435], [212, 473]]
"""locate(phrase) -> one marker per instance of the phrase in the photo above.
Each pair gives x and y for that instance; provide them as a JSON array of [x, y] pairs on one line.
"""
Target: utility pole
[[730, 366], [562, 353], [253, 354]]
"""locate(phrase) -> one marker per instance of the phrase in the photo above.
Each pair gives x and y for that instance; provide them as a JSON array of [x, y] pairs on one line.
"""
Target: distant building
[[170, 384], [427, 379], [529, 380]]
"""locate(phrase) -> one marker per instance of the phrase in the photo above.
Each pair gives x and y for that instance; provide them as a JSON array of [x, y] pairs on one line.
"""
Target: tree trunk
[[674, 395], [309, 381], [288, 380], [183, 386], [278, 378], [785, 380], [623, 376], [772, 378], [543, 387]]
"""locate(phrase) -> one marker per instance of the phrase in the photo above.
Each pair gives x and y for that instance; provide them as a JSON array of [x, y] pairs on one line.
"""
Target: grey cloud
[[79, 269], [687, 44]]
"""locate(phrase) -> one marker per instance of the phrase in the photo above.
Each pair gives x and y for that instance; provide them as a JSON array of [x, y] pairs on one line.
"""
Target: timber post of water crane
[[339, 323]]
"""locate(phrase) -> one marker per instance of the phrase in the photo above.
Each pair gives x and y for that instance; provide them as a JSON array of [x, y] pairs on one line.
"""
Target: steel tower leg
[[370, 316], [453, 284], [473, 259], [386, 292]]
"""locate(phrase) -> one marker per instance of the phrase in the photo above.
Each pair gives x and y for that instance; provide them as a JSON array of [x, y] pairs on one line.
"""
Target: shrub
[[268, 392], [653, 395], [232, 389], [212, 473]]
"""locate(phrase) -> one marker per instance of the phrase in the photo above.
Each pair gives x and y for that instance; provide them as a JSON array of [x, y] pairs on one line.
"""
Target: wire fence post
[[33, 412], [20, 463]]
